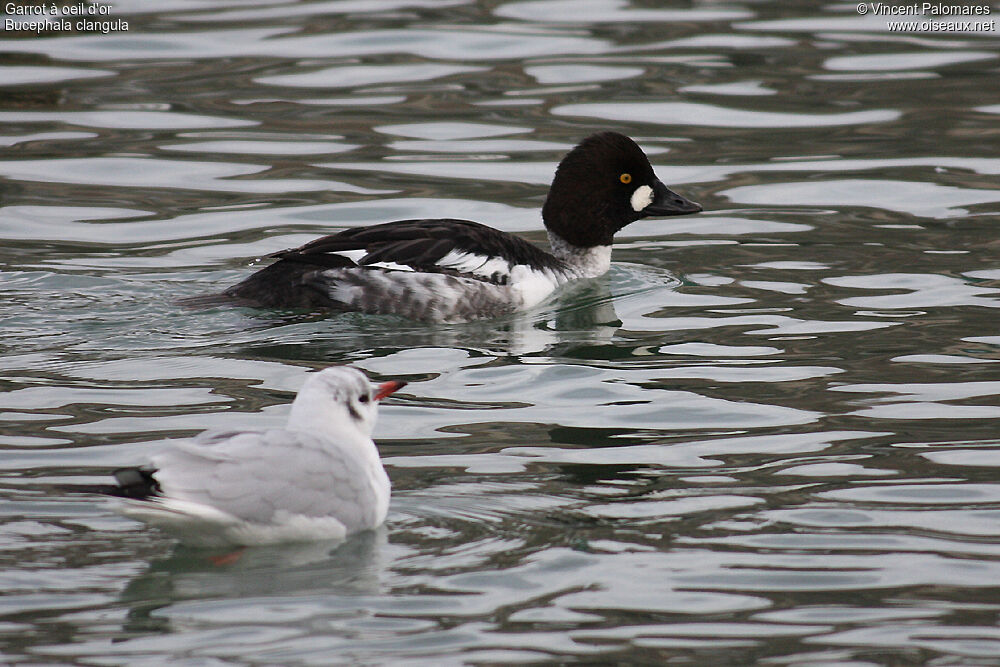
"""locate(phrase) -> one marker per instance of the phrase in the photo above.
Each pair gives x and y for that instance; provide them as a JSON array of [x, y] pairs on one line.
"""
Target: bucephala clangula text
[[448, 270]]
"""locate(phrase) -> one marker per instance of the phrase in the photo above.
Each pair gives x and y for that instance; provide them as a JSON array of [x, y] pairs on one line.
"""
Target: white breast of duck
[[452, 270]]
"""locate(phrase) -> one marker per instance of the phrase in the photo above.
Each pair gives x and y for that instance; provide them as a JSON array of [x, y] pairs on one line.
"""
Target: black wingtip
[[136, 483]]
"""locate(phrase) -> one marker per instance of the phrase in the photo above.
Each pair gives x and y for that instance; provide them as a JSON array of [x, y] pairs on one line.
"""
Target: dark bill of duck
[[659, 200]]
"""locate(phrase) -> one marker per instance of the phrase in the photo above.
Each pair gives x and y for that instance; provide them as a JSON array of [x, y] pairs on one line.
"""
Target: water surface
[[770, 434]]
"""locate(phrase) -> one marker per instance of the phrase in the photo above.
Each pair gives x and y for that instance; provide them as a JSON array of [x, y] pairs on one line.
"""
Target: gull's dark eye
[[364, 398]]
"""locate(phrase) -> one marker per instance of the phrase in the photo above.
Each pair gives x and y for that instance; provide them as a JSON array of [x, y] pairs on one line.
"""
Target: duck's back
[[431, 269]]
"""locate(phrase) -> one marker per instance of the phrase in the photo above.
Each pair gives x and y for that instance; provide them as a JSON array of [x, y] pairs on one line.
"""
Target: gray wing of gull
[[254, 475]]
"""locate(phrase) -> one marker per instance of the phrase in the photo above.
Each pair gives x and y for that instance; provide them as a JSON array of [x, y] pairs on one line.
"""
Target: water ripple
[[767, 435]]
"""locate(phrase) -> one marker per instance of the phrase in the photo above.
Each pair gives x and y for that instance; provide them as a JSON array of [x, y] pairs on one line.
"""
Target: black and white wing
[[458, 247]]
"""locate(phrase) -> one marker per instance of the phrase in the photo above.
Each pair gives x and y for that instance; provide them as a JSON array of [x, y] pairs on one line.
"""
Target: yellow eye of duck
[[625, 178]]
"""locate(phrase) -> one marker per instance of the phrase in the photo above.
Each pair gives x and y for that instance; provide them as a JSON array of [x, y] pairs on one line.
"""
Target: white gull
[[318, 478]]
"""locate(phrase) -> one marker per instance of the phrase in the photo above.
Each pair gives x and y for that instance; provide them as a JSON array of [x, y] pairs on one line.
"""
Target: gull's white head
[[339, 399]]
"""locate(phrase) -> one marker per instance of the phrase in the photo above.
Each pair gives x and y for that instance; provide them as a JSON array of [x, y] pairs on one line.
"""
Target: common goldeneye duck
[[448, 270]]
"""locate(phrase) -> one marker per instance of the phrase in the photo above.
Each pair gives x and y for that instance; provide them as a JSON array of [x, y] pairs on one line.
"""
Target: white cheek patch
[[641, 198]]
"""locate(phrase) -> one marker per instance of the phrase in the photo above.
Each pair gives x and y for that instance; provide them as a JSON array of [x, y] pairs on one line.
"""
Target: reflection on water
[[768, 435]]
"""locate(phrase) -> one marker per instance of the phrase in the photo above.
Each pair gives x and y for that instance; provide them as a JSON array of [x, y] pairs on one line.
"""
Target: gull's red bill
[[387, 388]]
